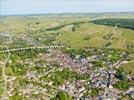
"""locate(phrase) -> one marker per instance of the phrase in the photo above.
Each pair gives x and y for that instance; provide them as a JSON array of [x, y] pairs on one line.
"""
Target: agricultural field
[[89, 34], [75, 32], [129, 67]]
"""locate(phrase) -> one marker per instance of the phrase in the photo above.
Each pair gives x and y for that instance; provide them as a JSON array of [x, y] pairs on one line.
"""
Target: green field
[[92, 35], [129, 67], [88, 34], [74, 31]]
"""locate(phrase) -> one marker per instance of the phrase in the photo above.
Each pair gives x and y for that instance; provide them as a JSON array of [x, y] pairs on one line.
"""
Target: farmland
[[129, 67], [77, 32], [92, 35]]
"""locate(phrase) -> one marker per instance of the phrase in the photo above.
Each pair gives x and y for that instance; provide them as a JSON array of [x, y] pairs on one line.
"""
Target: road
[[4, 76]]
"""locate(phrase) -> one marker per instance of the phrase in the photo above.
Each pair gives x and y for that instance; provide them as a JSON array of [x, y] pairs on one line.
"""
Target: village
[[88, 77]]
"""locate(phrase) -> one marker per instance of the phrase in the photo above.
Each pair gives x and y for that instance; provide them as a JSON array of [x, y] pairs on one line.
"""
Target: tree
[[94, 92], [62, 96], [98, 63], [73, 28], [122, 85], [120, 74]]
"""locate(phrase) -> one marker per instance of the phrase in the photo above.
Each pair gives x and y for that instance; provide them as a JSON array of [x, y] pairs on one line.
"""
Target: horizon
[[67, 13], [34, 7]]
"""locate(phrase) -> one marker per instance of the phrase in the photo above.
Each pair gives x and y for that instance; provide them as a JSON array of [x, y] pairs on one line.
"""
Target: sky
[[17, 7]]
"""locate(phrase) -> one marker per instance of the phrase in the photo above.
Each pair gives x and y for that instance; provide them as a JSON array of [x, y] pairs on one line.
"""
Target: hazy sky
[[11, 7]]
